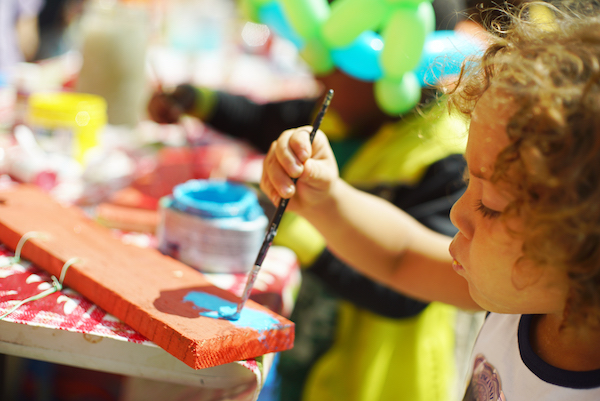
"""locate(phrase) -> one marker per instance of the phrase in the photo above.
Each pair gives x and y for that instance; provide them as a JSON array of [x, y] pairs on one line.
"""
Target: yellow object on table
[[67, 122]]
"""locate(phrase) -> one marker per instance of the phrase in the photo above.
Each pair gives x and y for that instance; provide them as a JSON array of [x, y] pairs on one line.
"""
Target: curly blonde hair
[[551, 72]]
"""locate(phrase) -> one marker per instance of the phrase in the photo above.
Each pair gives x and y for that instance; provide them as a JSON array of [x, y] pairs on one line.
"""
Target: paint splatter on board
[[209, 306]]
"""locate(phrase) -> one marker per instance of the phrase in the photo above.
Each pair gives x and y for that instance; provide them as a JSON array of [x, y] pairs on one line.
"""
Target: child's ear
[[525, 273]]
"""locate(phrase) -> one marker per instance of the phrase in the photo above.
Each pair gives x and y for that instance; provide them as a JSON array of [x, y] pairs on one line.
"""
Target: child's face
[[484, 252]]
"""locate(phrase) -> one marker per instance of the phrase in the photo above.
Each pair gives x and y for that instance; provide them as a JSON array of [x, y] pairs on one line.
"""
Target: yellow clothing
[[374, 358], [401, 152]]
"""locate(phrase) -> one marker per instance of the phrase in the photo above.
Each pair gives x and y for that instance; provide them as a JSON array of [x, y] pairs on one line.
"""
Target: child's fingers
[[268, 189], [320, 146], [321, 167], [316, 173], [291, 156], [275, 178], [299, 143], [288, 147]]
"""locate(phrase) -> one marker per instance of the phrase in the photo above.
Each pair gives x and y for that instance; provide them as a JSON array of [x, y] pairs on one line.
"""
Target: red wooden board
[[147, 290]]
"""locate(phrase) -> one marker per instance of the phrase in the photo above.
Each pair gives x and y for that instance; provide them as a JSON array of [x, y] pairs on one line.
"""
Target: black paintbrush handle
[[274, 224], [276, 219]]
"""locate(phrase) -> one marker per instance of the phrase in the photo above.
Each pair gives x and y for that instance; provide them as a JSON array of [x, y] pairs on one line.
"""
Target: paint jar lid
[[216, 199]]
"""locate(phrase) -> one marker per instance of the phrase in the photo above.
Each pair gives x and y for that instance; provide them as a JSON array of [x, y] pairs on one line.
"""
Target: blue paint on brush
[[215, 307]]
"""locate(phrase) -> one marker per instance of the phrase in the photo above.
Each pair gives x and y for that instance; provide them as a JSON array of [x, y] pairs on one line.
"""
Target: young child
[[528, 247]]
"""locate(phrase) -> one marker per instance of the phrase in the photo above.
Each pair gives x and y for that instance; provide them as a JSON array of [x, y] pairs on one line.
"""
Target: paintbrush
[[229, 312]]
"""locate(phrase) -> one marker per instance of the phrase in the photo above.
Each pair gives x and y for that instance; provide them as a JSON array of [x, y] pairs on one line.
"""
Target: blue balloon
[[360, 58], [443, 55], [272, 15]]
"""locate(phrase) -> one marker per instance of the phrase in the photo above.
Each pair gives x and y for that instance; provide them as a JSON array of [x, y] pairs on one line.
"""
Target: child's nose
[[460, 217]]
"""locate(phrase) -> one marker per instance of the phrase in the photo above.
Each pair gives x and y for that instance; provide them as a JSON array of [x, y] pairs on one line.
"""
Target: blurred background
[[75, 79], [123, 51]]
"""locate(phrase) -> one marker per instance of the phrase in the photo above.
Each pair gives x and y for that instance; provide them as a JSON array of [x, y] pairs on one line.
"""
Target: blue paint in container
[[217, 200]]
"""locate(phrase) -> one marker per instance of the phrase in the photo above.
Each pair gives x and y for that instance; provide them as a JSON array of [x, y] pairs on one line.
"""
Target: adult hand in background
[[167, 107]]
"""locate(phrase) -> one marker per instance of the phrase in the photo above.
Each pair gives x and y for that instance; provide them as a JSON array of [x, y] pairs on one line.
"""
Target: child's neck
[[569, 348]]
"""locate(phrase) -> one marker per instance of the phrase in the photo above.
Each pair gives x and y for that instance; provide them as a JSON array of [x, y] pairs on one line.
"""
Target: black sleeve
[[429, 202], [258, 123]]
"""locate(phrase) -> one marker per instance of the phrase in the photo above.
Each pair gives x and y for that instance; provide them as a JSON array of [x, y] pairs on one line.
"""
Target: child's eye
[[486, 211]]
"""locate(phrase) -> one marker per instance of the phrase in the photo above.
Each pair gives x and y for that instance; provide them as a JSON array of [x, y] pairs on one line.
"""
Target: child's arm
[[370, 233]]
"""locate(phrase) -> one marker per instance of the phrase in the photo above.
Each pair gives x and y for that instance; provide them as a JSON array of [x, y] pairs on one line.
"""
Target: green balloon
[[396, 97], [407, 2], [306, 16], [259, 3], [350, 18], [248, 10], [427, 15], [404, 38], [317, 56]]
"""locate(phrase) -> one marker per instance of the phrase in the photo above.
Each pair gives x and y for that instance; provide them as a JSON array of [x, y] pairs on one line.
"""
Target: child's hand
[[292, 156]]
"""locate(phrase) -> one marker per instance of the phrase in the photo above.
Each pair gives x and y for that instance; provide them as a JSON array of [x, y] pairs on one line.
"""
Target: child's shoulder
[[505, 363]]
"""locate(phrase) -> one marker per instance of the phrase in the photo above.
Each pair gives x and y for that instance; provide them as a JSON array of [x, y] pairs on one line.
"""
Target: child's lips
[[457, 266], [455, 263]]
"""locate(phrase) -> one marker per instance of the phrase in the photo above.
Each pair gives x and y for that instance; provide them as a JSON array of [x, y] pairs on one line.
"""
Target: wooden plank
[[161, 298], [127, 218]]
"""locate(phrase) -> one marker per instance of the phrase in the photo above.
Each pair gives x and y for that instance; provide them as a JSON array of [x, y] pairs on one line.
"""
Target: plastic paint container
[[213, 226], [114, 39], [67, 123]]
